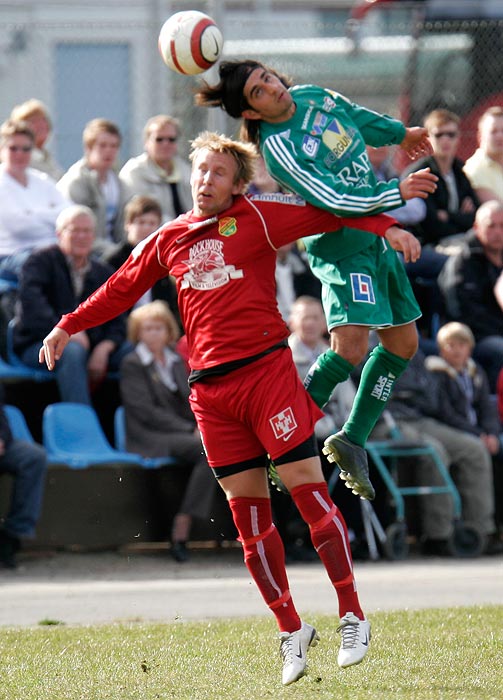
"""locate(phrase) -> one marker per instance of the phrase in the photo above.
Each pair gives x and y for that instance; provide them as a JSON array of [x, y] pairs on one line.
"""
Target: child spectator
[[463, 395]]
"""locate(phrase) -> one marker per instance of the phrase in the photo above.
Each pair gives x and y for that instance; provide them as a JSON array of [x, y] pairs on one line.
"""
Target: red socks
[[330, 539], [264, 557]]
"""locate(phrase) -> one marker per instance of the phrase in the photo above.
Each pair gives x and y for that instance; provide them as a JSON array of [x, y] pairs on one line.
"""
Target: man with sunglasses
[[159, 172], [450, 210]]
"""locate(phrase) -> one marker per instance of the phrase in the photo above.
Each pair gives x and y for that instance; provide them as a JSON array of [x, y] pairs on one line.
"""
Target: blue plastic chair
[[465, 541], [72, 435], [34, 374], [120, 443], [7, 285], [17, 423], [16, 373]]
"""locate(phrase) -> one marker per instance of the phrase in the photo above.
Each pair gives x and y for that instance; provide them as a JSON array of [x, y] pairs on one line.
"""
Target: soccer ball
[[190, 42]]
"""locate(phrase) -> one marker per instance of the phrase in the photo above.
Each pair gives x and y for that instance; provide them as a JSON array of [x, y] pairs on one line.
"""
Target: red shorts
[[261, 408]]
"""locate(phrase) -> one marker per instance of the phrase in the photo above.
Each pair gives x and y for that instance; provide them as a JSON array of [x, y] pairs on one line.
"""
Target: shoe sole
[[359, 484]]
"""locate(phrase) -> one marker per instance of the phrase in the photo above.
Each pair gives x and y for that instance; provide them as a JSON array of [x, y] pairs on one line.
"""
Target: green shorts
[[369, 288]]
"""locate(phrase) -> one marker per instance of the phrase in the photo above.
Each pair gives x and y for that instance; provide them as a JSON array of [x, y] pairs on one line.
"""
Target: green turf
[[454, 654]]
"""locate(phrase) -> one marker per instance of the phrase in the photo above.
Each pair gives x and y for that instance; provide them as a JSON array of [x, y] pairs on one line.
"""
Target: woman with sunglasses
[[30, 200]]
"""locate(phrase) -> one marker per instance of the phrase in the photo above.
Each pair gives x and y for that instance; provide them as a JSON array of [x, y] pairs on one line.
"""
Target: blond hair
[[155, 311], [158, 122], [455, 331], [96, 127], [244, 154], [29, 109], [12, 127]]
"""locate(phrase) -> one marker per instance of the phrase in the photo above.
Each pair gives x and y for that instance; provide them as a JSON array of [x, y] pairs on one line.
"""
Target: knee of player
[[353, 354], [351, 347]]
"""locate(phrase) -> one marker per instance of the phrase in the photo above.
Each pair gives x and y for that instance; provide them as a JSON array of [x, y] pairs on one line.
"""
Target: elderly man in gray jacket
[[159, 172]]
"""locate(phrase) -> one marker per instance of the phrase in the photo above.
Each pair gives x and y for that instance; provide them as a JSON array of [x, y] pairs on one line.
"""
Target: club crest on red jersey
[[227, 226]]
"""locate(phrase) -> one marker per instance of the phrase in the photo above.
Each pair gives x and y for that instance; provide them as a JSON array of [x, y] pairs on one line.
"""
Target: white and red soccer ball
[[190, 42]]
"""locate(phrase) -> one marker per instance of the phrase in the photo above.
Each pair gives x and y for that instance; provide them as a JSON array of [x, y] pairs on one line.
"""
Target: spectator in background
[[294, 278], [262, 182], [36, 115], [415, 407], [159, 421], [30, 201], [485, 167], [92, 181], [308, 340], [55, 280], [464, 403], [159, 172], [450, 210], [381, 160], [470, 281], [450, 213], [27, 464], [143, 216], [293, 275]]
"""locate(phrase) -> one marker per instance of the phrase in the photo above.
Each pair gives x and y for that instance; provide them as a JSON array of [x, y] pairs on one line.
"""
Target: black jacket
[[453, 406], [467, 283], [415, 393], [164, 289], [431, 229], [46, 293]]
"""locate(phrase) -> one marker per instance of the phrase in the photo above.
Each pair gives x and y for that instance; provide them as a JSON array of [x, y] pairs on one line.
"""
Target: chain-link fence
[[111, 68]]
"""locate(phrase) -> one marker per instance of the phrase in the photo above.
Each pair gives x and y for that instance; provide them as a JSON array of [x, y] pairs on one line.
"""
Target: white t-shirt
[[28, 214]]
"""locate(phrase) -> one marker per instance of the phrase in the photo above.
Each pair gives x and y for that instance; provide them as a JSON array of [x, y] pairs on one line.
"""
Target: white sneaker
[[293, 649], [355, 640]]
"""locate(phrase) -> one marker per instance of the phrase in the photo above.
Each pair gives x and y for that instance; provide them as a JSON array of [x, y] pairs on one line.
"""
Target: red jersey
[[224, 270]]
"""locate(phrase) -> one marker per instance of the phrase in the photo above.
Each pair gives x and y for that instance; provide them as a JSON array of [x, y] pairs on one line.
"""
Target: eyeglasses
[[171, 139], [24, 149], [449, 134]]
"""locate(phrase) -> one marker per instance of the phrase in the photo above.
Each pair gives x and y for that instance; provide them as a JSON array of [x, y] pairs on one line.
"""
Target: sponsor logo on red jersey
[[283, 424]]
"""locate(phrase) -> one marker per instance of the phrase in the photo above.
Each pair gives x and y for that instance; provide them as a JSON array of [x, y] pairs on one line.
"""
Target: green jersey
[[320, 154]]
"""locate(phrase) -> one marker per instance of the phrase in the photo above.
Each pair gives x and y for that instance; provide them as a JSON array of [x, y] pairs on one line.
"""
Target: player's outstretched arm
[[53, 346], [416, 142], [419, 184], [405, 242]]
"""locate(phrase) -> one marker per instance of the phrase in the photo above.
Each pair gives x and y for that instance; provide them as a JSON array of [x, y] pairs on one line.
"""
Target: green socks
[[379, 374], [329, 370]]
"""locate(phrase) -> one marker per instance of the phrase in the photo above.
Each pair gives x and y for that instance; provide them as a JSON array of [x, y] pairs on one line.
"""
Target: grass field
[[454, 654]]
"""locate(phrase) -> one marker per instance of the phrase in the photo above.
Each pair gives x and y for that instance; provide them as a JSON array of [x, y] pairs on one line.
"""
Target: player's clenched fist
[[419, 184]]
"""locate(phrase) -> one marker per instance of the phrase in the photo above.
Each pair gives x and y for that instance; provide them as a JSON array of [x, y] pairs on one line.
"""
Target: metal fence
[[112, 69]]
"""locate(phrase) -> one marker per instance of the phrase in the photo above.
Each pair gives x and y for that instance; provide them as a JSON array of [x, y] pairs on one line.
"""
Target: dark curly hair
[[228, 93]]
